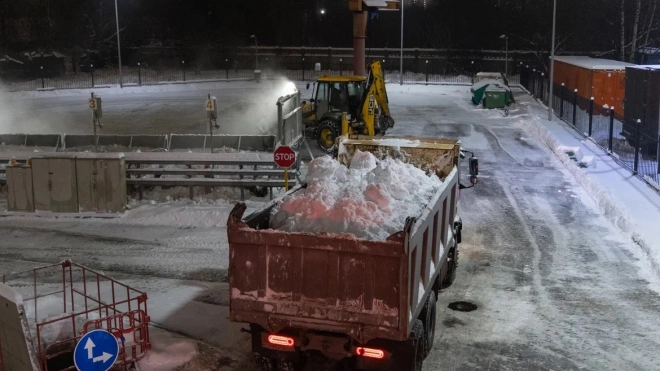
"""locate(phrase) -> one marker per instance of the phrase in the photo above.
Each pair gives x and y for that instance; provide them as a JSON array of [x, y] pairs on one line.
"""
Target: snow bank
[[168, 352], [369, 200], [608, 203]]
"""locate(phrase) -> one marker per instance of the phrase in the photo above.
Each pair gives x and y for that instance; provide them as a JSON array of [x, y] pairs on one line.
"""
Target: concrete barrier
[[44, 140], [264, 143], [149, 141], [53, 141], [13, 139], [123, 141], [76, 140], [258, 143], [186, 141]]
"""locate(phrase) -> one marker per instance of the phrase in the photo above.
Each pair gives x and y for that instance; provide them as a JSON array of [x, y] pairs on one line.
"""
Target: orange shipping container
[[602, 79]]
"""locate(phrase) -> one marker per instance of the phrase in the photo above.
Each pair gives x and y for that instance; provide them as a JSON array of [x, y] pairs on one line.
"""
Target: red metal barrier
[[90, 300], [132, 330]]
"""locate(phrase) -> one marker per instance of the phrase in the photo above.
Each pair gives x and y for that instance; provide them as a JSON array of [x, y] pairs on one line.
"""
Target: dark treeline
[[618, 27]]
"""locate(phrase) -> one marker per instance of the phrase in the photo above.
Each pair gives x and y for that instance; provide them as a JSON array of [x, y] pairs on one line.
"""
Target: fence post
[[183, 67], [637, 140], [657, 154], [91, 66], [575, 108], [139, 75], [561, 101], [427, 72], [43, 83], [591, 115], [610, 139]]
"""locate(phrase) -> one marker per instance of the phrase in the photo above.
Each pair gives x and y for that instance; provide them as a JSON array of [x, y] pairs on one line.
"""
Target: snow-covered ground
[[558, 286]]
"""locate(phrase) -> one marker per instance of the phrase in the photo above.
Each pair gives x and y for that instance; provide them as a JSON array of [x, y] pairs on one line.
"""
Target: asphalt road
[[556, 286]]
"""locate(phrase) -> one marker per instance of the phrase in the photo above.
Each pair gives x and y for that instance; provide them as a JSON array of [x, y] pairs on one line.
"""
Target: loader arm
[[375, 93]]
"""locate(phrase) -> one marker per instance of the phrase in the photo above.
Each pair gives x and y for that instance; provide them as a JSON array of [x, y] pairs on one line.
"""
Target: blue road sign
[[96, 351]]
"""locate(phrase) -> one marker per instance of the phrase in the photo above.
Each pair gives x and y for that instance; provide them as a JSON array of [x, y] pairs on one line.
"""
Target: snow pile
[[168, 351], [369, 200]]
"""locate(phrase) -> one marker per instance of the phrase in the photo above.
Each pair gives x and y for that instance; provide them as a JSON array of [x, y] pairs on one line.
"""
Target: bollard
[[575, 107], [637, 140], [183, 67], [561, 101], [591, 115], [610, 139]]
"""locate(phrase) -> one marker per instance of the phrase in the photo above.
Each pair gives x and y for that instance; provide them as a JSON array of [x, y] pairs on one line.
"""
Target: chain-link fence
[[634, 145]]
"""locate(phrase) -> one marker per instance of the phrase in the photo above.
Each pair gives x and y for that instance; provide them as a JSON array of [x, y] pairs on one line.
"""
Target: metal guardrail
[[244, 170]]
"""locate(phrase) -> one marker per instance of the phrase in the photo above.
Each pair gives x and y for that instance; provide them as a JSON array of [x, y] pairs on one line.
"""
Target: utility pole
[[552, 59], [401, 62], [121, 82]]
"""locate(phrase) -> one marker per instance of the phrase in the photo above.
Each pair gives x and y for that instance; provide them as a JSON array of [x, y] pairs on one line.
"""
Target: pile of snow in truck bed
[[370, 200]]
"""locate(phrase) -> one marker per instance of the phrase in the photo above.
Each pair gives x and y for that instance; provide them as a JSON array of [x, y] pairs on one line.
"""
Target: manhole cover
[[463, 306]]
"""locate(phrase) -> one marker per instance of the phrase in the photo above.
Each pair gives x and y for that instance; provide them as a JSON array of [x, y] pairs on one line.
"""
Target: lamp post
[[401, 60], [506, 56], [118, 45], [256, 47], [552, 59]]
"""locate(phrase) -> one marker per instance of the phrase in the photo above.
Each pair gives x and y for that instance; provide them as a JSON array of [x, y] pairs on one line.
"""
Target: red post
[[359, 42]]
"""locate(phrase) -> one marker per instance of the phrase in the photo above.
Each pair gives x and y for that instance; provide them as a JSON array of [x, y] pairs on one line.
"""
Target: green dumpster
[[479, 90], [496, 97]]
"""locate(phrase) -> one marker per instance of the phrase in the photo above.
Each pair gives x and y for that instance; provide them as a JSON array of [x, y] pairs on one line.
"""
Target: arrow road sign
[[96, 351]]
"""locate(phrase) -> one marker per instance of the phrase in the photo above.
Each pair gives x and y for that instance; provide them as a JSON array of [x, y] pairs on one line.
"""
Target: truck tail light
[[283, 341], [370, 353]]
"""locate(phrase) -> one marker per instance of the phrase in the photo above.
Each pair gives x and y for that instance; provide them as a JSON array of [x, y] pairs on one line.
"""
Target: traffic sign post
[[285, 157], [96, 351], [97, 113]]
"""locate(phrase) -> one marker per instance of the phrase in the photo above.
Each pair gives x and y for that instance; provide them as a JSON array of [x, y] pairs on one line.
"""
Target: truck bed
[[337, 283]]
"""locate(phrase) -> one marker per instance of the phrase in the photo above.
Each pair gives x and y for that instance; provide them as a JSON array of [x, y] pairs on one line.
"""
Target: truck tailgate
[[332, 283]]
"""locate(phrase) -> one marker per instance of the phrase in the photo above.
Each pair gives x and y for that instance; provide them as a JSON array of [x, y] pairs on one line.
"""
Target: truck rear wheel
[[428, 316], [410, 355], [452, 263], [274, 364]]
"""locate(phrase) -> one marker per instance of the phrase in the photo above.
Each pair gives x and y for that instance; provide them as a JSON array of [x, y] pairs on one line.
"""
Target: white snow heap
[[370, 200]]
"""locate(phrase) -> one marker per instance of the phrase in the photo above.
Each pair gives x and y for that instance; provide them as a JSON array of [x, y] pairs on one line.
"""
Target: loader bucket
[[429, 154]]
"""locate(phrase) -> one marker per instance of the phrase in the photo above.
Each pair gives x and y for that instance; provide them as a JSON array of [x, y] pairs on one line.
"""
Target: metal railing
[[631, 143], [87, 297]]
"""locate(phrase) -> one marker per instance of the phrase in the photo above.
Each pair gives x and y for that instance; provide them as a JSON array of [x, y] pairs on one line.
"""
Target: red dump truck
[[371, 304]]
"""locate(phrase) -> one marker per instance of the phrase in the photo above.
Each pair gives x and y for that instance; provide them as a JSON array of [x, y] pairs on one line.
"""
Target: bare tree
[[649, 27], [633, 46], [623, 30]]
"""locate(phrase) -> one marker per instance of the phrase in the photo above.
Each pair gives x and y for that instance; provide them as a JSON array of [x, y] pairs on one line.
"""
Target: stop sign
[[284, 156]]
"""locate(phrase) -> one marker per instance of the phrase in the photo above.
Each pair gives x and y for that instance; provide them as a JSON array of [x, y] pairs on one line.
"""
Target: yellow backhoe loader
[[348, 104]]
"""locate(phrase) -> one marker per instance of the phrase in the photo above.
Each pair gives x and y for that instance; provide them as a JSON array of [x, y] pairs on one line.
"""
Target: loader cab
[[337, 94]]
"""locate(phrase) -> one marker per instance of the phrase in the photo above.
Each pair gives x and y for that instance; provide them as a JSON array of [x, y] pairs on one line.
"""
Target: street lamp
[[506, 57], [118, 44], [552, 60], [256, 46], [401, 57]]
